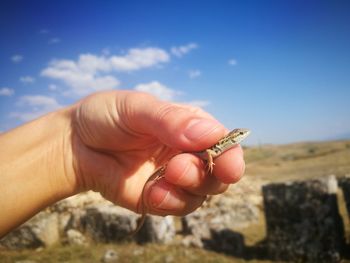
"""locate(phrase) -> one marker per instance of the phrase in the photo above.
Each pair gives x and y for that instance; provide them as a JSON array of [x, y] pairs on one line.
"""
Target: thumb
[[182, 127]]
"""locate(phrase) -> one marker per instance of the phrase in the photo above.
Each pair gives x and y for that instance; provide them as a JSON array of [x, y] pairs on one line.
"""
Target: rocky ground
[[233, 224]]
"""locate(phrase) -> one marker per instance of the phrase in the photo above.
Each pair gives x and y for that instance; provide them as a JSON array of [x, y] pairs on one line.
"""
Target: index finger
[[229, 166]]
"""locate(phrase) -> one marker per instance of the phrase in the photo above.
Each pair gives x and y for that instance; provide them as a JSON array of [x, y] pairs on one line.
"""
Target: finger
[[188, 172], [163, 198], [229, 167], [179, 127]]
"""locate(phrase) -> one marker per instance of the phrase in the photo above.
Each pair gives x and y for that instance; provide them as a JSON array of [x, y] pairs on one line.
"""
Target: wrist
[[63, 181], [35, 167]]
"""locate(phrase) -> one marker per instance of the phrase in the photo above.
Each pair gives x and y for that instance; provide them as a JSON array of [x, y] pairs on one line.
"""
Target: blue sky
[[280, 68]]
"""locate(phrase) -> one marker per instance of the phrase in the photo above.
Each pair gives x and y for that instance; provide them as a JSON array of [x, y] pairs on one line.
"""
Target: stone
[[74, 237], [41, 230], [344, 184], [110, 256], [79, 202], [192, 241], [46, 227], [108, 223], [303, 222], [235, 209], [157, 229], [21, 238], [226, 241], [195, 227]]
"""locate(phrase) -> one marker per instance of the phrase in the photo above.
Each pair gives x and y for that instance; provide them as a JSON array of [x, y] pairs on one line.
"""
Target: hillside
[[298, 161]]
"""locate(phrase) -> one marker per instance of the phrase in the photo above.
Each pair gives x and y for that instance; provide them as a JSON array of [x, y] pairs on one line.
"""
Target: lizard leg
[[210, 163]]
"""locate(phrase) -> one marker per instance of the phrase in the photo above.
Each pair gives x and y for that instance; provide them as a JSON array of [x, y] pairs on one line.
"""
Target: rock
[[226, 241], [78, 202], [110, 256], [74, 237], [45, 226], [344, 183], [107, 223], [196, 228], [237, 208], [41, 230], [303, 222], [157, 229], [192, 241], [21, 238]]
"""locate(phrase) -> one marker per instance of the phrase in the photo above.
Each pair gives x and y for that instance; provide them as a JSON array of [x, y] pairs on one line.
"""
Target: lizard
[[208, 155]]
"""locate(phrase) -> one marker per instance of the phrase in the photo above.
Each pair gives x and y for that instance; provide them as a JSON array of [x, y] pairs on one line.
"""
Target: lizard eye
[[241, 133]]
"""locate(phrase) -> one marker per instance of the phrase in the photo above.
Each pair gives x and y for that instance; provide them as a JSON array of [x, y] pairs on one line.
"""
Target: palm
[[111, 155]]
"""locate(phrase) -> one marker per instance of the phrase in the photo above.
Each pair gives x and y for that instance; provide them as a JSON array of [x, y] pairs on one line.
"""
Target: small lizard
[[227, 142]]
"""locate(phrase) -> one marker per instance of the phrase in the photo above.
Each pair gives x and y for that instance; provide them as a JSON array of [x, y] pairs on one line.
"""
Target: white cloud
[[194, 73], [17, 58], [86, 74], [34, 106], [165, 93], [232, 62], [137, 59], [182, 50], [27, 79], [37, 100], [54, 40], [6, 91], [81, 79], [159, 90]]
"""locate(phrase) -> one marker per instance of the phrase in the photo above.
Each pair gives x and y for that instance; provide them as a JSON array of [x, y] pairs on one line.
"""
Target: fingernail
[[200, 127], [163, 198]]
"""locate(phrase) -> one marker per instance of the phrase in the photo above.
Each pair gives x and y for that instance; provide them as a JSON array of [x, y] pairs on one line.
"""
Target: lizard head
[[239, 134]]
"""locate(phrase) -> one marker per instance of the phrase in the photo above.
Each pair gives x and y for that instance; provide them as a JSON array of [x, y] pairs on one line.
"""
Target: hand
[[119, 138]]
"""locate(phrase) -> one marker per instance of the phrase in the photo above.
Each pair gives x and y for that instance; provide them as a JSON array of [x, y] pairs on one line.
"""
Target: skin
[[111, 142]]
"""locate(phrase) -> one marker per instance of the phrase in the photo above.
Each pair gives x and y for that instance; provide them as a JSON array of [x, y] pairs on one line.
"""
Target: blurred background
[[279, 68]]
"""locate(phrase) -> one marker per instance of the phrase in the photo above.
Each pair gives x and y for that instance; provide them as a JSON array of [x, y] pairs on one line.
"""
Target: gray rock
[[303, 222], [21, 238], [344, 183], [107, 223], [41, 230], [195, 228], [110, 256], [237, 208], [192, 241], [46, 227], [226, 241], [157, 229], [74, 237]]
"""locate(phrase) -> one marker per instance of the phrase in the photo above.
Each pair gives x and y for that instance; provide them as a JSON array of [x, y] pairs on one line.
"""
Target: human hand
[[119, 138]]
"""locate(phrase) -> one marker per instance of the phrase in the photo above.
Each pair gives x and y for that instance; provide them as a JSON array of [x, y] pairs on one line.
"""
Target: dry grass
[[128, 252], [298, 161]]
